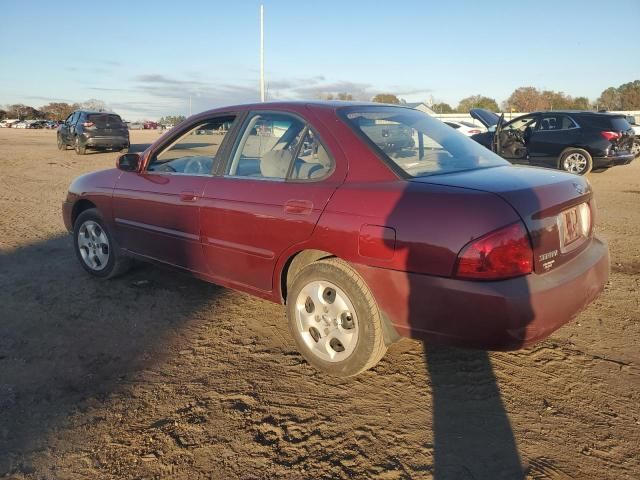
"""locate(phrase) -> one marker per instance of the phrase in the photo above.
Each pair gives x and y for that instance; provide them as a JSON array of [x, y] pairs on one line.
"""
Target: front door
[[555, 132], [514, 139], [156, 211], [277, 181]]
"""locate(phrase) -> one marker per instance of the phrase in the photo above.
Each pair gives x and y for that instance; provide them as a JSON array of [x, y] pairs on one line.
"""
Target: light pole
[[262, 53]]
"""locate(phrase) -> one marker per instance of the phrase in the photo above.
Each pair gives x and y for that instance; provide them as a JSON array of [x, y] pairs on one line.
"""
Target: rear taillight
[[88, 124], [608, 135], [505, 253]]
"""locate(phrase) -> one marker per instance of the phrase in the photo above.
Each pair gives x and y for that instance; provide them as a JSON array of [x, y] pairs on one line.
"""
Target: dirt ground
[[158, 375]]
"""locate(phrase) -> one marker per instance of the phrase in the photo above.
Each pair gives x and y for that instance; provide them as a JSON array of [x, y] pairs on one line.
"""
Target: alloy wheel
[[635, 148], [326, 321], [93, 245], [575, 163]]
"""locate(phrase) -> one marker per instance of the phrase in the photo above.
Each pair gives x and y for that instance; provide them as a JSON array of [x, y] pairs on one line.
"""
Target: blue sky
[[145, 58]]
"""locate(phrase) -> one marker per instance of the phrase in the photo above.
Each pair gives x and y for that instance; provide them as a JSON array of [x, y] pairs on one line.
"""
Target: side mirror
[[129, 162]]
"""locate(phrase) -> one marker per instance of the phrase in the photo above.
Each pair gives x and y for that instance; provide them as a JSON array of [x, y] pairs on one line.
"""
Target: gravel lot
[[158, 375]]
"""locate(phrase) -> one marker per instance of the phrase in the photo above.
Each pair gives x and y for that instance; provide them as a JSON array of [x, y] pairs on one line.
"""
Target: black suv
[[85, 129], [574, 141]]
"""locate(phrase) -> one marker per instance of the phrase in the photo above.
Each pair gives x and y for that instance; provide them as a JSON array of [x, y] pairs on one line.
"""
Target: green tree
[[609, 99], [58, 110], [630, 95], [171, 119], [442, 107], [477, 101], [386, 98]]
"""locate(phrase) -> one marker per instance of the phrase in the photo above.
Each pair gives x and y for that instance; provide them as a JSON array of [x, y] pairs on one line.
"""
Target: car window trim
[[190, 126]]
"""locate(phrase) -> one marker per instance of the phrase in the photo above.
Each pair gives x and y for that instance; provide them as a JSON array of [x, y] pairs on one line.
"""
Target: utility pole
[[262, 53], [189, 105]]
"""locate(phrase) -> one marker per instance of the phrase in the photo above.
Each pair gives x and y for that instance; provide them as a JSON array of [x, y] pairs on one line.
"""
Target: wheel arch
[[300, 259], [294, 264], [79, 207]]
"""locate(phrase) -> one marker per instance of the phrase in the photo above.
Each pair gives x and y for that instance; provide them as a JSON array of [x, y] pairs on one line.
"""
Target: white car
[[466, 128], [635, 149], [22, 124]]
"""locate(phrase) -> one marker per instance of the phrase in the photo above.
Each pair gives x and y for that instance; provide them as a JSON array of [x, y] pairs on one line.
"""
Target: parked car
[[8, 123], [466, 128], [151, 125], [362, 242], [98, 130], [21, 124], [574, 141], [135, 126], [635, 149]]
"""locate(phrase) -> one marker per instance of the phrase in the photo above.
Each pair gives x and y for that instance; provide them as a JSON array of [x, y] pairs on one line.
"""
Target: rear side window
[[104, 119], [607, 122], [416, 143]]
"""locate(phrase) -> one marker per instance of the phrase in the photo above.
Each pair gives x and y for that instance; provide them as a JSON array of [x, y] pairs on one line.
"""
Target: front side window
[[417, 143], [522, 124], [267, 146], [196, 151]]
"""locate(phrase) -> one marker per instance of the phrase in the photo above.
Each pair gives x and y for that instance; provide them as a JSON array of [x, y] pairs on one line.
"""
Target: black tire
[[79, 147], [117, 264], [125, 148], [370, 346], [564, 161], [61, 144]]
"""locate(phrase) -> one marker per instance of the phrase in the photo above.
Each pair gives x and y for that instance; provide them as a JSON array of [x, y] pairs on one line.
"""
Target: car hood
[[487, 118]]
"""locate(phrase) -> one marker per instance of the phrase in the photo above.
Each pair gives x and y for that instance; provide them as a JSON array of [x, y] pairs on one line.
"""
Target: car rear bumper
[[613, 160], [498, 315], [111, 141]]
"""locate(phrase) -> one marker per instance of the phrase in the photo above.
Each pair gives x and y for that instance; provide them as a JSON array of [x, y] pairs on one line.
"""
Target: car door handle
[[298, 207], [188, 197]]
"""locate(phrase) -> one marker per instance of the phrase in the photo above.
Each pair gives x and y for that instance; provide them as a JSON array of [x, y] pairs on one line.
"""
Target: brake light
[[608, 135], [505, 253], [88, 124]]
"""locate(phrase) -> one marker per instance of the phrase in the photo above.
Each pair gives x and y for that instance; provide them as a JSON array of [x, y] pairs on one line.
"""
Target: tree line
[[529, 99], [50, 111]]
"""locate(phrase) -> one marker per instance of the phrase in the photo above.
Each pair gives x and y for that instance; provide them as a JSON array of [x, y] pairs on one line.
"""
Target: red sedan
[[368, 222]]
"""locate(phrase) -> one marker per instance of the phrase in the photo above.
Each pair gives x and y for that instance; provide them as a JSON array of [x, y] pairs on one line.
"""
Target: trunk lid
[[487, 118], [550, 203]]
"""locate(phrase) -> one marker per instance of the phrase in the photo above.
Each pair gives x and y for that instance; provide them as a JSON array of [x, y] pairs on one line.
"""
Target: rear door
[[277, 181], [555, 132]]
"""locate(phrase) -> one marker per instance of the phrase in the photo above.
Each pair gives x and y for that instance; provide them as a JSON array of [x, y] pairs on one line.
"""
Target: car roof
[[332, 104], [576, 112]]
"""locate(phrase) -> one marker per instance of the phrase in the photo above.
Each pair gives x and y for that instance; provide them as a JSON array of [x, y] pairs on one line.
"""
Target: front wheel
[[95, 247], [576, 160], [61, 144], [334, 319]]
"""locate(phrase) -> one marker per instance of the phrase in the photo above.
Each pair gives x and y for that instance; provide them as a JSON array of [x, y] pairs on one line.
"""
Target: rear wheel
[[95, 247], [61, 144], [635, 148], [79, 147], [576, 160], [334, 319]]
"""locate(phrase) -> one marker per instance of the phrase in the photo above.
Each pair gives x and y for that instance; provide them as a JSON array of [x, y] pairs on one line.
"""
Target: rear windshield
[[608, 122], [104, 119], [416, 143]]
